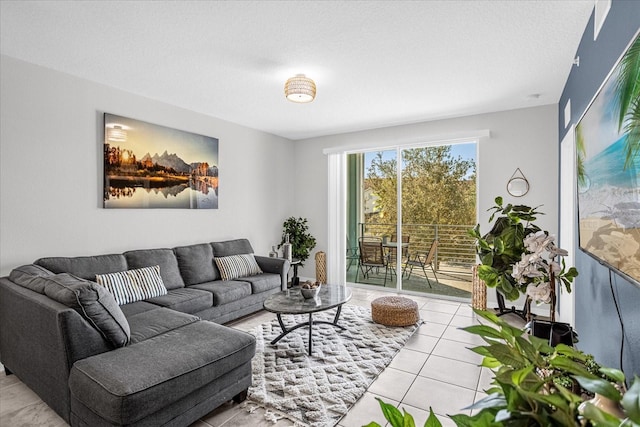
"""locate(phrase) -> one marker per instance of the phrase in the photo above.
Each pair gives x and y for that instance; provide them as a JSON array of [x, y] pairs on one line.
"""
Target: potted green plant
[[517, 257], [301, 240], [538, 385]]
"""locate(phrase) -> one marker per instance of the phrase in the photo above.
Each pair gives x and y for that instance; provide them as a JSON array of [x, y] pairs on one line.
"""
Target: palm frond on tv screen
[[608, 169]]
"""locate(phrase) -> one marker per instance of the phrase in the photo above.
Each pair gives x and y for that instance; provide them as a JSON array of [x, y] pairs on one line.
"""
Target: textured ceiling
[[375, 63]]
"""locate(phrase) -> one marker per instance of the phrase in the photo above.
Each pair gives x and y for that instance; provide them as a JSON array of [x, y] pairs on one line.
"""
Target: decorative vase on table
[[274, 252], [286, 249]]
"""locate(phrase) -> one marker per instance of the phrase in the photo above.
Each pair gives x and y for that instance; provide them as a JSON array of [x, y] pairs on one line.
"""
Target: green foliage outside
[[535, 385], [436, 187]]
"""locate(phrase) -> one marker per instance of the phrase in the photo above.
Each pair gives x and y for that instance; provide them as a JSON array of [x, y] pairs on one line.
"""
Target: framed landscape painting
[[608, 169], [153, 166]]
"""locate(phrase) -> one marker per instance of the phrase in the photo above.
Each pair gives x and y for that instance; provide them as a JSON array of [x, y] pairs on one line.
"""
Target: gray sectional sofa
[[162, 361]]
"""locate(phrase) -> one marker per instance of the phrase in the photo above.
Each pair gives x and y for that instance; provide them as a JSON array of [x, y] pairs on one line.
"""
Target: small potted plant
[[301, 241]]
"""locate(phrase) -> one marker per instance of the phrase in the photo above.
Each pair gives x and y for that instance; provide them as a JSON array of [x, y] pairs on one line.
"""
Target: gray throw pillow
[[93, 302]]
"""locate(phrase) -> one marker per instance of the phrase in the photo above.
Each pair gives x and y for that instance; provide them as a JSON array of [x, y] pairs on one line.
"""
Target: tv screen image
[[608, 169]]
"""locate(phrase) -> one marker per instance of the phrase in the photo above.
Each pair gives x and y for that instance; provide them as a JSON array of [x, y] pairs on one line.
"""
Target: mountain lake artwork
[[153, 166]]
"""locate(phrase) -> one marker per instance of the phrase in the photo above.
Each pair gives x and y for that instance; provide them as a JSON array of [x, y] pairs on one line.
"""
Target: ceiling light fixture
[[300, 89]]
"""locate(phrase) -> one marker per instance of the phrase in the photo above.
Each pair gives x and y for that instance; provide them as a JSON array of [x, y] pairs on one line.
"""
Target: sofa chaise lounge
[[163, 359]]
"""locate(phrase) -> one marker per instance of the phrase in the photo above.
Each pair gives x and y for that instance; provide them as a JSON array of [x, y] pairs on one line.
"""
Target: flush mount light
[[300, 89]]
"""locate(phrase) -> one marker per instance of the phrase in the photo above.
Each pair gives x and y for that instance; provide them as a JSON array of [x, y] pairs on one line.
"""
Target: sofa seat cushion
[[149, 324], [137, 307], [126, 385], [165, 258], [186, 300], [225, 291], [85, 267], [263, 282], [196, 263]]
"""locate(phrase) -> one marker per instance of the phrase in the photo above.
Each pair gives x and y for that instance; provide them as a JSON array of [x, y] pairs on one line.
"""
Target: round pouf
[[394, 311]]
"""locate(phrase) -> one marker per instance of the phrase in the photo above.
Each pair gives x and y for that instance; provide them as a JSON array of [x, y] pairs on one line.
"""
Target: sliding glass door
[[418, 210]]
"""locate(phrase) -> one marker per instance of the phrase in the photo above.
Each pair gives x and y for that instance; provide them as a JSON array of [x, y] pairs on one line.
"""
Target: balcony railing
[[456, 249]]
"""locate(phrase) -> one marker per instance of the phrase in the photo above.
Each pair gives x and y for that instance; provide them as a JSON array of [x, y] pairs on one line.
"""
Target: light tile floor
[[435, 369]]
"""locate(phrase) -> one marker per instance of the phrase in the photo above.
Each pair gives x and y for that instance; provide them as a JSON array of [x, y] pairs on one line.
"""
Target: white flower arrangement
[[538, 266]]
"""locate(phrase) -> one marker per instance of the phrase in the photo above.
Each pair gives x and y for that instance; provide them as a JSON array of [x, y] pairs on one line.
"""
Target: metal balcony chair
[[372, 256], [352, 254], [422, 261]]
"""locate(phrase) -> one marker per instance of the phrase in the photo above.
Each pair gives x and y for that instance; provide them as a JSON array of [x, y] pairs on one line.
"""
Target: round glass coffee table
[[292, 302]]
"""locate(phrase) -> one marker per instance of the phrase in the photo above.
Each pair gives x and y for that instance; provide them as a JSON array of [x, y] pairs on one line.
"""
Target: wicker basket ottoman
[[394, 311]]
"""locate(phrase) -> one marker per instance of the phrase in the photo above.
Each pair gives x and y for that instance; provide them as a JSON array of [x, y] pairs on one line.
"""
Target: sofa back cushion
[[85, 267], [93, 302], [30, 276], [165, 258], [231, 247], [196, 263], [133, 285]]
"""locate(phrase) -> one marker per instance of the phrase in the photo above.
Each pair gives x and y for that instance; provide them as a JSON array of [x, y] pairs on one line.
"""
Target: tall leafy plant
[[517, 256], [302, 242]]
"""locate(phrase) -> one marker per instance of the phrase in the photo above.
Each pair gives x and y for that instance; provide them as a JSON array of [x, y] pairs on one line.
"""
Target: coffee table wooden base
[[309, 323]]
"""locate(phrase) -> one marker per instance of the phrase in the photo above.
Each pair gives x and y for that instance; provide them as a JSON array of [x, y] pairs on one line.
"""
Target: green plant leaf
[[520, 375], [527, 349], [484, 418], [571, 352], [391, 413], [631, 401], [484, 331], [503, 415], [408, 420], [541, 346], [487, 259], [481, 350], [600, 386], [615, 374], [568, 395], [549, 399], [490, 362], [494, 400], [432, 420], [568, 365], [372, 424], [599, 417], [506, 355]]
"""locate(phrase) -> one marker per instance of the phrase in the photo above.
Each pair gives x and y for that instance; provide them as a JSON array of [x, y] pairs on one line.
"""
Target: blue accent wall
[[597, 320]]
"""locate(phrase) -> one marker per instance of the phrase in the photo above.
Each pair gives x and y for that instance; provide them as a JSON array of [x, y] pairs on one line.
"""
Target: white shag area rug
[[318, 390]]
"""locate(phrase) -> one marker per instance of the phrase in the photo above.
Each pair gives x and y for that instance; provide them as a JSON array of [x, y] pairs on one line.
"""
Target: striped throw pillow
[[133, 285], [234, 266]]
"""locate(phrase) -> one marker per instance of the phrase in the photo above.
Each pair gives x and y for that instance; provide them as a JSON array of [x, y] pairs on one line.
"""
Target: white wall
[[525, 138], [51, 173]]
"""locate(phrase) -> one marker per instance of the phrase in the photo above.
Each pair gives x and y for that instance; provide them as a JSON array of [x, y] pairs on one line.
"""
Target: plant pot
[[554, 332]]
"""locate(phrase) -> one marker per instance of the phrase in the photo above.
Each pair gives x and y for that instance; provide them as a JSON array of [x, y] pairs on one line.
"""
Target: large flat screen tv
[[608, 169]]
